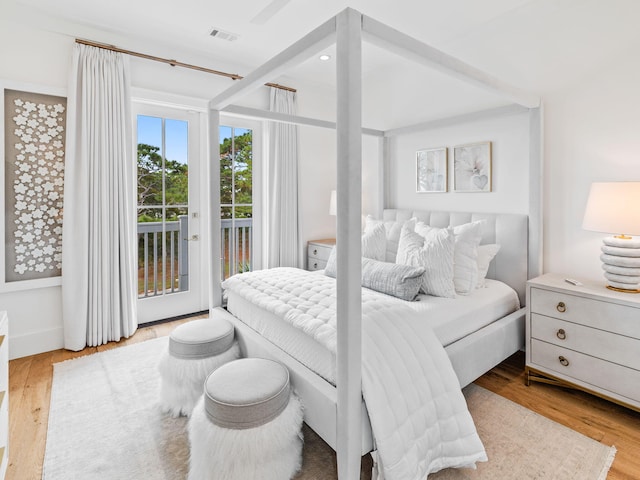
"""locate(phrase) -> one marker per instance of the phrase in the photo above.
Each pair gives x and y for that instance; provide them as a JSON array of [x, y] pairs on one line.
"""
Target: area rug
[[104, 423]]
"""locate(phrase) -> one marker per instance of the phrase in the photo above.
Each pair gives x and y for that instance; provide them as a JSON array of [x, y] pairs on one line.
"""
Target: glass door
[[169, 276], [238, 210]]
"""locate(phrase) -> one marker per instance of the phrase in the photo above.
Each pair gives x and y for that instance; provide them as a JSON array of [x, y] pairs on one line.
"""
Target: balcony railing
[[163, 273], [237, 246]]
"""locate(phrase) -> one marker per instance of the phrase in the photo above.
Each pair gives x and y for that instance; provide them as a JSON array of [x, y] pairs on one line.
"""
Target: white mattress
[[451, 320]]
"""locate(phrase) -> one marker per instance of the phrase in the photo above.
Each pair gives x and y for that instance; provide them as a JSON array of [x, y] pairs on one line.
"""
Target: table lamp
[[614, 207]]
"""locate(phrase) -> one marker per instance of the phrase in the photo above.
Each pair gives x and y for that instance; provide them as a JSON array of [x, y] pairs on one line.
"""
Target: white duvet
[[418, 414]]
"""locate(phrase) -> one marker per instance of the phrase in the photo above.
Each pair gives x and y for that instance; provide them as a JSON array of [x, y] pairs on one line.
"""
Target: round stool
[[195, 349], [247, 425]]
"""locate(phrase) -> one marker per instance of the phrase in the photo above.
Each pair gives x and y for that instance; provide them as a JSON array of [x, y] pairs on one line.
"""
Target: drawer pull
[[561, 334], [563, 361], [315, 251], [561, 307], [315, 265]]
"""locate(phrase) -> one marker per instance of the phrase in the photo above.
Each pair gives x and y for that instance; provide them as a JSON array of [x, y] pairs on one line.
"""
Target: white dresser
[[4, 393], [318, 252], [584, 336]]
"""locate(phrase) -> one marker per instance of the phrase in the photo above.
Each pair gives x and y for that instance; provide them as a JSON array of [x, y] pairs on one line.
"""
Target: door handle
[[193, 238]]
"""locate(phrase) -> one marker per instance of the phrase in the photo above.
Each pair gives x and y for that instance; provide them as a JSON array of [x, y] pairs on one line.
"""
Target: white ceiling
[[537, 45]]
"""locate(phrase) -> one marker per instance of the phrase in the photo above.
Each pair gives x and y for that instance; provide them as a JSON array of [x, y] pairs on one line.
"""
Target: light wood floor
[[30, 389]]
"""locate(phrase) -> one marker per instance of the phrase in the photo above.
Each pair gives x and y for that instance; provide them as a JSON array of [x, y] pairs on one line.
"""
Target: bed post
[[215, 290], [385, 189], [349, 295], [536, 171]]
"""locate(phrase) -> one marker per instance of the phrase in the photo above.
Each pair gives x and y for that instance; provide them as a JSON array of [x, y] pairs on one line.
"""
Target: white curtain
[[283, 184], [99, 227]]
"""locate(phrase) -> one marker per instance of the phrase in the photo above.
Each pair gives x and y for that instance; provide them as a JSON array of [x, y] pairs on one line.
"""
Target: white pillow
[[402, 281], [435, 254], [485, 255], [392, 229], [465, 265], [374, 243]]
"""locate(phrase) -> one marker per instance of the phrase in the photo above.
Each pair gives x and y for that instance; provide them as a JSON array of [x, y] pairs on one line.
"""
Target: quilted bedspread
[[418, 414]]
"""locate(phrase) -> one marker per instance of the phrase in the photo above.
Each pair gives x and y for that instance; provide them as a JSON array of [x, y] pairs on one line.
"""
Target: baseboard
[[37, 342]]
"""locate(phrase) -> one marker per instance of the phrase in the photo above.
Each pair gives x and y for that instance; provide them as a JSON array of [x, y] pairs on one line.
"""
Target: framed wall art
[[33, 144], [472, 167], [431, 170]]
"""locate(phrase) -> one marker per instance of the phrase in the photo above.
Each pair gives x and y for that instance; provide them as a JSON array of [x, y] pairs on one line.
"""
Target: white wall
[[39, 57], [592, 133], [509, 137], [43, 57], [318, 167]]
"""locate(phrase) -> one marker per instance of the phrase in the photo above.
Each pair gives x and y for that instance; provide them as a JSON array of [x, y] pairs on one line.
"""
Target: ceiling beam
[[309, 45], [397, 42], [456, 120], [292, 119]]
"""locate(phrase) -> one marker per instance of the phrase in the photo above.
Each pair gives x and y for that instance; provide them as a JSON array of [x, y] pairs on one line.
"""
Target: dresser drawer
[[616, 318], [314, 264], [319, 251], [597, 343], [589, 370]]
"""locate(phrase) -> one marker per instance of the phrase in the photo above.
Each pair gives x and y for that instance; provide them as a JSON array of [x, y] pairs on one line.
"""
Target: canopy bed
[[338, 413]]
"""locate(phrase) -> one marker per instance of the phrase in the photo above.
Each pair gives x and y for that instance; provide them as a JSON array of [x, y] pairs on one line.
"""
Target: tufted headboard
[[508, 230]]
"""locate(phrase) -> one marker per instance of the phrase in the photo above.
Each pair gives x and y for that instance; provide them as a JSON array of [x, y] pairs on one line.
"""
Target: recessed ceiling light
[[324, 57]]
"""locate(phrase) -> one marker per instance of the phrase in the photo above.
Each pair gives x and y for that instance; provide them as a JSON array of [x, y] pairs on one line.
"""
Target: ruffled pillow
[[465, 258], [374, 243], [485, 255], [392, 230], [433, 252]]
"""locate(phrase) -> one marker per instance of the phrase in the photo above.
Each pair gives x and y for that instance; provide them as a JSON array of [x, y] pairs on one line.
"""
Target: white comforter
[[418, 414]]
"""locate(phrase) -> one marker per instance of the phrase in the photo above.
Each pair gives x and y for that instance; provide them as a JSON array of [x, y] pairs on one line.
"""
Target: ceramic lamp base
[[621, 263]]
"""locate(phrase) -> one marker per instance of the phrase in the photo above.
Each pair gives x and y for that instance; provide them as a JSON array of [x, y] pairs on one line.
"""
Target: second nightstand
[[584, 336], [318, 252]]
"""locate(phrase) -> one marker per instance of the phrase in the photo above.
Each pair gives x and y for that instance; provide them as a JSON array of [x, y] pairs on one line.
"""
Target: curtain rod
[[174, 63]]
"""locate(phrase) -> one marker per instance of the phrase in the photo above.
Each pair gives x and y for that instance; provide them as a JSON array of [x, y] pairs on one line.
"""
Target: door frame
[[196, 298]]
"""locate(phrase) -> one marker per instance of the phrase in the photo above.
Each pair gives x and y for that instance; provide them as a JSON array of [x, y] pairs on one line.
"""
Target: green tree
[[236, 177], [150, 183]]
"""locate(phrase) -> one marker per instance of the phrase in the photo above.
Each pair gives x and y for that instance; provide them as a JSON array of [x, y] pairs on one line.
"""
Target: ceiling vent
[[222, 35]]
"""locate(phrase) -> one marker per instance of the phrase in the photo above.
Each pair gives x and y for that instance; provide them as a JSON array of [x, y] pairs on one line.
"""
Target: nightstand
[[585, 337], [318, 252]]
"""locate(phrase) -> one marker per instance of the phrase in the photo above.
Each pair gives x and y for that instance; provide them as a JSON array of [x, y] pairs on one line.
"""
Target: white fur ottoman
[[247, 425], [195, 349]]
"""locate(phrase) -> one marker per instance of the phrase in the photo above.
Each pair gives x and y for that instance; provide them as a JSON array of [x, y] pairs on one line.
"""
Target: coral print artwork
[[431, 170], [34, 129], [472, 167]]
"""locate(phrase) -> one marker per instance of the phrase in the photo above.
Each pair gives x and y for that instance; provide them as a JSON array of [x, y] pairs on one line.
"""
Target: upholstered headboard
[[508, 230]]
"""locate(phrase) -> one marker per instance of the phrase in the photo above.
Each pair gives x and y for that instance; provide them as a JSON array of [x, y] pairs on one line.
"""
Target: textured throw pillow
[[465, 265], [402, 281], [434, 253], [374, 243], [485, 255], [392, 229]]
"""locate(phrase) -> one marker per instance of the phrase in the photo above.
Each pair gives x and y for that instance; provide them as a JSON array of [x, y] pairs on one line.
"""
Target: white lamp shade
[[333, 205], [613, 207]]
